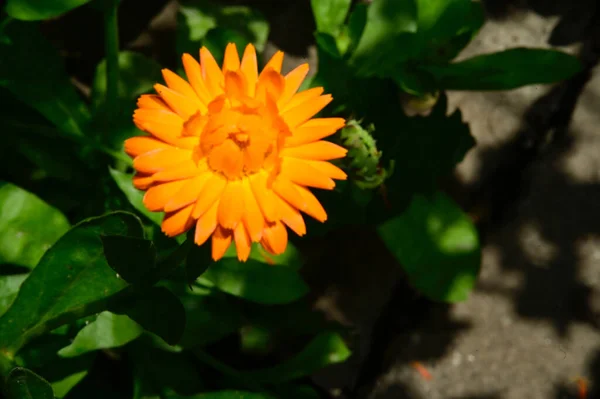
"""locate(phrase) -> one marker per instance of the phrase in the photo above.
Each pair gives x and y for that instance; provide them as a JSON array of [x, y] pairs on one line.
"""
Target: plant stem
[[111, 40], [226, 370]]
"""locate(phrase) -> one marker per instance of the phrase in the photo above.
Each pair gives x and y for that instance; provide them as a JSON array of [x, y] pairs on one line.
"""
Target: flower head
[[232, 152]]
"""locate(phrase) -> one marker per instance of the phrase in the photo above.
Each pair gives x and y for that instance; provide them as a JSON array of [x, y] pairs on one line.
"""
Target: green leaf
[[325, 349], [131, 257], [505, 70], [437, 245], [72, 280], [9, 287], [135, 196], [25, 384], [330, 14], [109, 330], [28, 226], [197, 17], [386, 37], [61, 388], [42, 85], [263, 278], [32, 10], [158, 311], [208, 318]]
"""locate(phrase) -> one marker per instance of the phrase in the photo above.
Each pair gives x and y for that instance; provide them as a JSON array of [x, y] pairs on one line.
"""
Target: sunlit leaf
[[506, 70], [263, 278], [25, 384], [437, 245], [72, 280], [28, 226], [9, 286], [42, 85], [325, 349], [31, 10], [158, 311], [330, 14], [135, 196], [109, 330]]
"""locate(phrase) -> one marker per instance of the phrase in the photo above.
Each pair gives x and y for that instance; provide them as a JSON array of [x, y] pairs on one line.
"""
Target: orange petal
[[317, 151], [221, 239], [151, 101], [206, 225], [313, 130], [275, 237], [235, 85], [211, 192], [243, 245], [142, 181], [249, 68], [184, 106], [231, 206], [194, 75], [231, 61], [178, 84], [211, 73], [183, 170], [302, 97], [160, 159], [157, 196], [178, 222], [188, 194], [292, 217], [135, 146], [313, 206], [326, 168], [264, 196], [293, 80], [275, 62], [163, 124], [227, 158], [302, 173], [270, 83], [303, 112], [287, 191], [253, 218]]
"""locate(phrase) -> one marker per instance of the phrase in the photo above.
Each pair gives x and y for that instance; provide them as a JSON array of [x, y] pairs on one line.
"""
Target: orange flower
[[233, 152]]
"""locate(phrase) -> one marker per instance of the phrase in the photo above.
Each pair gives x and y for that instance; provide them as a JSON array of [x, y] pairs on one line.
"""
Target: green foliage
[[437, 245], [32, 10], [25, 384], [115, 290], [28, 226]]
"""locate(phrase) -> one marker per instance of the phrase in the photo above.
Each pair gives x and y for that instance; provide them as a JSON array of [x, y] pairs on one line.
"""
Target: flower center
[[239, 138]]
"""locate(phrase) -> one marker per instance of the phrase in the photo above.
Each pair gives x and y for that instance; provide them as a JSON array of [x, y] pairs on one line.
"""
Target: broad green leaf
[[40, 355], [32, 10], [28, 226], [25, 384], [109, 330], [42, 85], [131, 257], [208, 318], [262, 279], [330, 14], [437, 245], [158, 311], [198, 17], [135, 196], [387, 36], [165, 371], [72, 280], [505, 70], [137, 75], [9, 287], [325, 349], [356, 25]]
